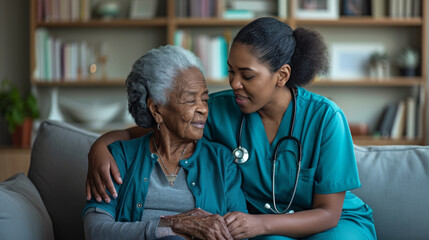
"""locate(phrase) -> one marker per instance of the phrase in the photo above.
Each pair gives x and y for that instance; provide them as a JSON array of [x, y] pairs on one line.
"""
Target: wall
[[14, 50]]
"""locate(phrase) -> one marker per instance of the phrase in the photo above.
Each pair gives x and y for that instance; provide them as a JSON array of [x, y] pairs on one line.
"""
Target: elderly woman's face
[[185, 113]]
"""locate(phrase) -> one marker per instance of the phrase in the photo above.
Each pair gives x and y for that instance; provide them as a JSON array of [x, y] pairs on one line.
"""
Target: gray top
[[161, 200]]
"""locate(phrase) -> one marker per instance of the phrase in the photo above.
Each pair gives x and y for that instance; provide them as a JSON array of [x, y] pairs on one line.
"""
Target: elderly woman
[[170, 171]]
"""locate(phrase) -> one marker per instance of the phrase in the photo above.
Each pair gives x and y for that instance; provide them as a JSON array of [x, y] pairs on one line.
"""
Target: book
[[420, 104], [378, 8], [410, 131], [282, 6], [182, 7], [394, 8], [387, 119], [398, 126], [238, 14], [408, 8], [416, 8], [195, 8]]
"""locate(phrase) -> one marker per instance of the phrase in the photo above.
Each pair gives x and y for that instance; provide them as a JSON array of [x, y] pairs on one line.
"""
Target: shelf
[[362, 21], [391, 82], [155, 22], [217, 22], [86, 83], [369, 140]]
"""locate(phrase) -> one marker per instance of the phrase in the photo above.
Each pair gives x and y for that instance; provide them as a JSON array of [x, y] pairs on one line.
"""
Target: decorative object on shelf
[[356, 7], [350, 60], [94, 115], [142, 9], [54, 109], [359, 129], [379, 66], [102, 59], [408, 62], [316, 9], [19, 113], [107, 9]]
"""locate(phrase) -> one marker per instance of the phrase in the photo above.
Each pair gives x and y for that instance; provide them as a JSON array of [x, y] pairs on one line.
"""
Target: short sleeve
[[337, 168]]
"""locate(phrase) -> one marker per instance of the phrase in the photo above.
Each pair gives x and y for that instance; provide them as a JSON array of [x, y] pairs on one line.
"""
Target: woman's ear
[[283, 75], [154, 110]]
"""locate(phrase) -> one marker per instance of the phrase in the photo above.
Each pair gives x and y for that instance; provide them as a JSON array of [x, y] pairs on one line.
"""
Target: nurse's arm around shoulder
[[325, 214], [101, 164]]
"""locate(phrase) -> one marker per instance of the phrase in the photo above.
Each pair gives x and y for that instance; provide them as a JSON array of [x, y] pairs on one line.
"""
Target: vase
[[22, 135]]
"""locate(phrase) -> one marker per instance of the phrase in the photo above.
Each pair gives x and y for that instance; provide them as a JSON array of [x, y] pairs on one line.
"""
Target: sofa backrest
[[395, 184], [58, 170]]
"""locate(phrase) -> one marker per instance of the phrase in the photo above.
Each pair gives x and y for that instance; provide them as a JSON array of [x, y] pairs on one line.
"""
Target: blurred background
[[73, 56]]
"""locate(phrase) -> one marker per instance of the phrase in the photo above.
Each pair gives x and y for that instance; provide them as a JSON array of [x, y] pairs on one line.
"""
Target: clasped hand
[[200, 224]]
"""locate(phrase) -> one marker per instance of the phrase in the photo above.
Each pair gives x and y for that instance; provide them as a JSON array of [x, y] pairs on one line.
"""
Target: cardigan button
[[145, 179], [139, 205], [186, 162], [193, 184]]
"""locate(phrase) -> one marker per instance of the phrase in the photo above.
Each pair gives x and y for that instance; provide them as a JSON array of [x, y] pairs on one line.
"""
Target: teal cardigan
[[213, 178]]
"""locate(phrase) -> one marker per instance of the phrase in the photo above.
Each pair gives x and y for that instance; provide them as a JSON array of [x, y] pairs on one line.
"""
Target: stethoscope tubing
[[241, 156]]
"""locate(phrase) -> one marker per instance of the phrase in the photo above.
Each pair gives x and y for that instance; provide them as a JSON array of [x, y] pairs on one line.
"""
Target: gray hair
[[152, 75]]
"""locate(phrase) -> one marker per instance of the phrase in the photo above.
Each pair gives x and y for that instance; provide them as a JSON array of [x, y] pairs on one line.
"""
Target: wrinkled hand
[[243, 225], [198, 223], [196, 212], [100, 165]]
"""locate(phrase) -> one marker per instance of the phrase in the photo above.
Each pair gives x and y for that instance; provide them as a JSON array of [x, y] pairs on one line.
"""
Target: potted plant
[[379, 66], [19, 112], [408, 62]]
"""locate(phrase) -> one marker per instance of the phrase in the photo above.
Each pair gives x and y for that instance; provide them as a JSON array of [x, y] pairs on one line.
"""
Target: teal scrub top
[[212, 177], [328, 159]]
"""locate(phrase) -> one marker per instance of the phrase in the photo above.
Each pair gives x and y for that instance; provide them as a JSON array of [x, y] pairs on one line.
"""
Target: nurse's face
[[252, 81], [185, 114]]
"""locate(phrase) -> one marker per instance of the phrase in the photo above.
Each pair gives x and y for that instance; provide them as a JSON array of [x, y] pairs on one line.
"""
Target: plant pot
[[22, 135], [408, 72]]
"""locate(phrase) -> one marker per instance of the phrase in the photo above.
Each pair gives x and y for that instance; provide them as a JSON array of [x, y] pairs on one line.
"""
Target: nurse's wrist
[[265, 228]]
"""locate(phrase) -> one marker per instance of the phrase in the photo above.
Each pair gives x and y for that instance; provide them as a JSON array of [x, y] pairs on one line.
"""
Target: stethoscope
[[241, 155]]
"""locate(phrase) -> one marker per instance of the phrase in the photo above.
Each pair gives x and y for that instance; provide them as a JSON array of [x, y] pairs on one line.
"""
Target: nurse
[[268, 65]]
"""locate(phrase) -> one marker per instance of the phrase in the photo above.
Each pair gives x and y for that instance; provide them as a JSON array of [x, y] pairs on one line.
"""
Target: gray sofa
[[47, 204]]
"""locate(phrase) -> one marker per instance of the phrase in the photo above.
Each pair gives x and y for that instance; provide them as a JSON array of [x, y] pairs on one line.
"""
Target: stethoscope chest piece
[[241, 155]]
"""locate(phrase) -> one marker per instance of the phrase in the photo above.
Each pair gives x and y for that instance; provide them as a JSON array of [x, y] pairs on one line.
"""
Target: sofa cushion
[[58, 170], [395, 184], [22, 213]]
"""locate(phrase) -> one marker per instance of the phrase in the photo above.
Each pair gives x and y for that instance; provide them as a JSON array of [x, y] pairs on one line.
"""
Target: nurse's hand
[[210, 226], [100, 165], [243, 225]]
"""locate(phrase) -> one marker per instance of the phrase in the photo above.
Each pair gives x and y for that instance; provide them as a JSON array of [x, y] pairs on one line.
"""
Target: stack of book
[[403, 119], [230, 9], [404, 8], [212, 50], [199, 8], [63, 10], [247, 9], [58, 60]]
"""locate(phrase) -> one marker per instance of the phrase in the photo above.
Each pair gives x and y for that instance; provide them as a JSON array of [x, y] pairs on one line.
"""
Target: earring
[[158, 127]]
